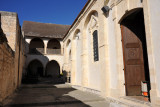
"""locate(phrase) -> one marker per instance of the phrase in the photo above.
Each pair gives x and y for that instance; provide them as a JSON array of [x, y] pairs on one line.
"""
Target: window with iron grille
[[95, 45]]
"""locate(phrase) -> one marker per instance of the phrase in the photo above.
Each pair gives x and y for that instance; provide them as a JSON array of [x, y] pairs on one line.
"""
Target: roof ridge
[[45, 23]]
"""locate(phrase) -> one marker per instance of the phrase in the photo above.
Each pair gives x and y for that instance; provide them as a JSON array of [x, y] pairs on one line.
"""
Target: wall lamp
[[105, 9]]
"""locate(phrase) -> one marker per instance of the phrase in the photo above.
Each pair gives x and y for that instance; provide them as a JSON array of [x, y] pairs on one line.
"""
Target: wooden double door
[[135, 53]]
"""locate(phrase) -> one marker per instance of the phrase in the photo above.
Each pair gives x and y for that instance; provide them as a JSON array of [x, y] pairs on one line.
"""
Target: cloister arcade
[[44, 58], [45, 46]]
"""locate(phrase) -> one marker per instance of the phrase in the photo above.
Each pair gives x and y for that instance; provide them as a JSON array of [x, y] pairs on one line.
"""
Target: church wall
[[119, 9], [106, 77], [93, 74], [152, 32]]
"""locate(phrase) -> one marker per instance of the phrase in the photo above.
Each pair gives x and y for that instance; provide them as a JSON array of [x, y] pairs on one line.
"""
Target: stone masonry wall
[[9, 26], [12, 56], [7, 83]]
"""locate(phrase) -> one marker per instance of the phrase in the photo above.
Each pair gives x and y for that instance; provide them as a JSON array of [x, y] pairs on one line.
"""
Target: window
[[95, 45]]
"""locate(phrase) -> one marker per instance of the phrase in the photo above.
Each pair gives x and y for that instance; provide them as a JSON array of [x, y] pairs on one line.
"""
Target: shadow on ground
[[43, 95]]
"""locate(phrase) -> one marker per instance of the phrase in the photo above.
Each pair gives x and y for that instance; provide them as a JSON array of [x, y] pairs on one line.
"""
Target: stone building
[[111, 49], [44, 48], [12, 54], [113, 46]]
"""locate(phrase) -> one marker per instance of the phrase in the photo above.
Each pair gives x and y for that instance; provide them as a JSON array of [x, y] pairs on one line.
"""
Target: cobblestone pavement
[[46, 95]]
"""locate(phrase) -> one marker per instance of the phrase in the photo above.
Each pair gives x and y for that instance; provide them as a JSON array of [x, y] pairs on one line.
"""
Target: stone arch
[[54, 44], [90, 25], [53, 47], [52, 69], [75, 33], [68, 42], [92, 13], [36, 46], [134, 51], [35, 68], [68, 47], [129, 13]]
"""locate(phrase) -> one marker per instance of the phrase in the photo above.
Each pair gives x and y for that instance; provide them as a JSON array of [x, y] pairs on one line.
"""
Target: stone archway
[[36, 46], [35, 68], [53, 47], [53, 69], [135, 52]]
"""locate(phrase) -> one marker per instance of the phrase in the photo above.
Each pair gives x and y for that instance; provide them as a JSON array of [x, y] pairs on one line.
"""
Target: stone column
[[73, 62], [61, 42], [45, 46], [84, 60]]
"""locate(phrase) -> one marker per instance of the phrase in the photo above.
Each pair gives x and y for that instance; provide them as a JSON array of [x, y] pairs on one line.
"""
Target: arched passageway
[[36, 46], [53, 69], [53, 47], [35, 69], [135, 52]]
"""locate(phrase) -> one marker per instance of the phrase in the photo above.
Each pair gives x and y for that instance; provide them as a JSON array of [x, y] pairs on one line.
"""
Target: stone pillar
[[27, 45], [45, 46], [61, 42], [73, 62], [84, 60]]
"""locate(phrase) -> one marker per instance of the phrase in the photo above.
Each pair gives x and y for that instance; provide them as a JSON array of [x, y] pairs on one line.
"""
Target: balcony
[[36, 51], [54, 51]]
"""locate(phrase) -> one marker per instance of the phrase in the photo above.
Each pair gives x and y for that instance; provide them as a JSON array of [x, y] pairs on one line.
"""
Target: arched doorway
[[36, 46], [53, 69], [134, 52], [35, 69]]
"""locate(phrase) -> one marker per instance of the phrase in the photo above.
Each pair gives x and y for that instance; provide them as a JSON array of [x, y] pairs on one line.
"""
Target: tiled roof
[[48, 30]]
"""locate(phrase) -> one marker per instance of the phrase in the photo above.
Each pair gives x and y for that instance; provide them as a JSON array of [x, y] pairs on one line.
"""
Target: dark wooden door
[[133, 61]]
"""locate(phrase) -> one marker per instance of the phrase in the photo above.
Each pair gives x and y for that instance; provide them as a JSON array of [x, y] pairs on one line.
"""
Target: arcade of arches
[[37, 46], [37, 71]]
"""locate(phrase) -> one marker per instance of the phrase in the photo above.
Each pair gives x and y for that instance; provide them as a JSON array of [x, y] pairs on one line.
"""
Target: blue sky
[[46, 11]]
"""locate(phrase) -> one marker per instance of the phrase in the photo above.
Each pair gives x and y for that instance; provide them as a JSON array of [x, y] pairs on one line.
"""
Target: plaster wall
[[154, 12], [107, 75], [93, 74]]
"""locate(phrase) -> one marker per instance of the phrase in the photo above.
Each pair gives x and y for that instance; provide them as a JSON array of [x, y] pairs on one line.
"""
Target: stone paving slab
[[47, 95]]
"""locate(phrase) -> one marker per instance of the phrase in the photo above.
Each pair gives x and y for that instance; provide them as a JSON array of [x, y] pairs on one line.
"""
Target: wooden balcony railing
[[54, 51], [36, 51]]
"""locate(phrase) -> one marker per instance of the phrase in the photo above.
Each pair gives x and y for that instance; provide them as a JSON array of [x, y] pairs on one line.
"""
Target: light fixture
[[105, 9]]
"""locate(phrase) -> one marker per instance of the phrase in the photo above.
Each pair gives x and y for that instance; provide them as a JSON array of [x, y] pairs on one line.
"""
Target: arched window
[[95, 45]]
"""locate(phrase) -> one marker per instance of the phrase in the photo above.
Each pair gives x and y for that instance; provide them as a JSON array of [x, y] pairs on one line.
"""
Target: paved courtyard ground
[[47, 95]]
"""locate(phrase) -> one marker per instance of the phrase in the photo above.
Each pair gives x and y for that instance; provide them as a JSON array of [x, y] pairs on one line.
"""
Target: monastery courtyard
[[48, 95]]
